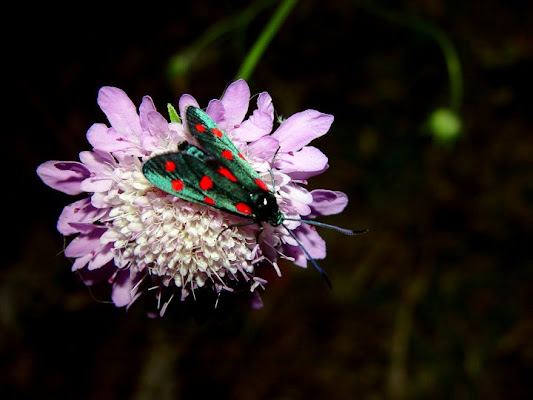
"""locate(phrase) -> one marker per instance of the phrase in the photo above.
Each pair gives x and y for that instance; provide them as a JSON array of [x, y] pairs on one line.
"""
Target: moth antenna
[[335, 228], [308, 256], [270, 170]]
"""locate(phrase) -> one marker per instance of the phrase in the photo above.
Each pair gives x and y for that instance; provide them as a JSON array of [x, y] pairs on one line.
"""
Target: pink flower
[[141, 238]]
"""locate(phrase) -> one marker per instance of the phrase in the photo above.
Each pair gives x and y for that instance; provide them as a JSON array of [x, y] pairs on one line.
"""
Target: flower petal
[[311, 240], [97, 161], [236, 100], [156, 124], [79, 211], [123, 292], [85, 243], [110, 140], [152, 122], [263, 149], [300, 128], [327, 202], [96, 184], [255, 300], [185, 101], [101, 258], [99, 200], [259, 124], [81, 262], [65, 176], [120, 110], [147, 106], [298, 198], [215, 109], [86, 228], [157, 127], [303, 164]]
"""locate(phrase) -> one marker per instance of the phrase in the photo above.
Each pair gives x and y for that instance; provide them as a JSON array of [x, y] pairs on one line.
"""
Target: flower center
[[184, 243]]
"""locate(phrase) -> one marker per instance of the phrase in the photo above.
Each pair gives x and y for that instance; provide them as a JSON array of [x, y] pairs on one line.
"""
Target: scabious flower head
[[141, 239]]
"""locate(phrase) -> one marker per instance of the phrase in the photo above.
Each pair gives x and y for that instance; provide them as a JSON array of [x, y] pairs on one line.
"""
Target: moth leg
[[235, 226], [270, 170], [261, 229]]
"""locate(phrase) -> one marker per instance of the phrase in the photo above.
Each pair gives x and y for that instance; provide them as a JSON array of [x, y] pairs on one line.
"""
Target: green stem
[[451, 57], [181, 63], [262, 42]]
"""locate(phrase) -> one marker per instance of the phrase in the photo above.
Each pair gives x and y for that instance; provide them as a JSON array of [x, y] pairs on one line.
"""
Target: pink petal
[[97, 161], [156, 124], [299, 197], [236, 100], [263, 149], [303, 164], [255, 300], [215, 109], [120, 110], [110, 140], [313, 243], [122, 291], [260, 123], [65, 176], [99, 200], [327, 202], [299, 129], [87, 228], [157, 127], [81, 262], [185, 101], [101, 258], [84, 244], [79, 211], [147, 106], [97, 184]]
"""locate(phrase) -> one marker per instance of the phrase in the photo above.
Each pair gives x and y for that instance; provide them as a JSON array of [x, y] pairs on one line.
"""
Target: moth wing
[[169, 172], [192, 175], [219, 145]]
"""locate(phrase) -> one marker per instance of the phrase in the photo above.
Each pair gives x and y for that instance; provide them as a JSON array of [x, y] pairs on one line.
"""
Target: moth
[[217, 175]]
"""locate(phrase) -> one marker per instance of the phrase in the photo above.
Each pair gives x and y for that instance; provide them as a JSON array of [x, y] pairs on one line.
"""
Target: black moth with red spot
[[216, 175]]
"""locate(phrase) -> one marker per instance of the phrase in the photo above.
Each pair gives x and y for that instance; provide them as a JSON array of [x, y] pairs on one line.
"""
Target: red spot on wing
[[227, 173], [241, 156], [170, 166], [200, 128], [261, 184], [177, 185], [209, 201], [216, 132], [243, 208], [227, 154], [206, 183]]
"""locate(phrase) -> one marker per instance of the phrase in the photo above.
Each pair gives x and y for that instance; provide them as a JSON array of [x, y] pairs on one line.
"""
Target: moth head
[[265, 208]]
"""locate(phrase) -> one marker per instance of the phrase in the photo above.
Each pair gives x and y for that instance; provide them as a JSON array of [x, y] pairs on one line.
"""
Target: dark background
[[435, 302]]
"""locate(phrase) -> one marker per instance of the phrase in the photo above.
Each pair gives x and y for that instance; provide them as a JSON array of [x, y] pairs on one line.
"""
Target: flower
[[140, 238]]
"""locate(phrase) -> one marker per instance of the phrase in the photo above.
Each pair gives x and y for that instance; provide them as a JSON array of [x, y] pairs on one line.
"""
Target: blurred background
[[434, 302]]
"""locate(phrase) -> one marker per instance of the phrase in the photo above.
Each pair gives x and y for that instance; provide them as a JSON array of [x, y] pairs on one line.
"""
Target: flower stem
[[451, 57], [182, 62], [262, 42]]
